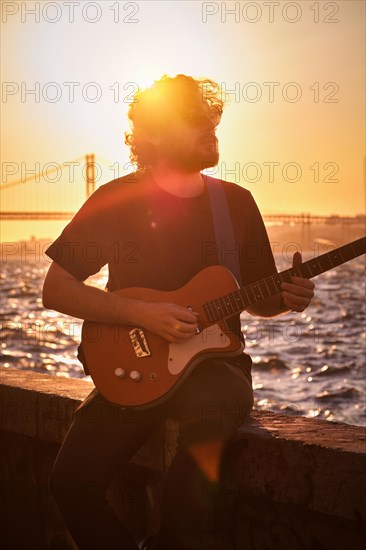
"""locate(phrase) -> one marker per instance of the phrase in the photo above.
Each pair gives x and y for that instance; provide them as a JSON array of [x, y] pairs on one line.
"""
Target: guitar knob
[[120, 373], [135, 375]]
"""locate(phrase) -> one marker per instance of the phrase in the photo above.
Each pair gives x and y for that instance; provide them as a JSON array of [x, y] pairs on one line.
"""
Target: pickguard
[[181, 353]]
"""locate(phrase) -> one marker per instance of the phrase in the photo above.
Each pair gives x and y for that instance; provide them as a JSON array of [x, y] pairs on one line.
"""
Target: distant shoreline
[[322, 234], [317, 237]]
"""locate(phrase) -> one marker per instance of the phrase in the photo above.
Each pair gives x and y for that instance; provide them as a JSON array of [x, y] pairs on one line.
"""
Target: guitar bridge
[[139, 342]]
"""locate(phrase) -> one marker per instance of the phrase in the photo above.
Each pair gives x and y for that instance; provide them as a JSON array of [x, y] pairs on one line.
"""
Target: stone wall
[[299, 483]]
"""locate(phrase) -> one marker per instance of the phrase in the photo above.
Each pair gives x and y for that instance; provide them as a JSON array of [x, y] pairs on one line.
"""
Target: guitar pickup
[[139, 342]]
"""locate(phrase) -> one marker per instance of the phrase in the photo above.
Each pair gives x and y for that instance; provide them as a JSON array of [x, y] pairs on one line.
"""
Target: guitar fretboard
[[236, 302]]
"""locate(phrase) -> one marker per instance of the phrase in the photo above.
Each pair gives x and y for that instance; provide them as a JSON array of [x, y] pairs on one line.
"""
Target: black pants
[[212, 402]]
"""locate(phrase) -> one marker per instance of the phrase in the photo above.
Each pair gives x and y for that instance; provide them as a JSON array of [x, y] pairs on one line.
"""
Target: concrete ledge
[[318, 464], [305, 470], [42, 406]]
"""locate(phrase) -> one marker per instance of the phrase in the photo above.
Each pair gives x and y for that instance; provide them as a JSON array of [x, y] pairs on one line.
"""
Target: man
[[154, 229]]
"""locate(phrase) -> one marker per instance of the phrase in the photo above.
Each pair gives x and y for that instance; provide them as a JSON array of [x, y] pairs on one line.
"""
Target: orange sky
[[316, 139]]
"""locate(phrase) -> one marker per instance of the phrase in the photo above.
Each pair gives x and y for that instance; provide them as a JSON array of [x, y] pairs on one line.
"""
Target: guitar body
[[131, 366]]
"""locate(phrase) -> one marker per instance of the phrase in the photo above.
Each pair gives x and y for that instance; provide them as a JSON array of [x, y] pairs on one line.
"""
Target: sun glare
[[146, 77]]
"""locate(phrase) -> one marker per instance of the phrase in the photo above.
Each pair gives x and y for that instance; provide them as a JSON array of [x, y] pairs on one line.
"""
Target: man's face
[[190, 143]]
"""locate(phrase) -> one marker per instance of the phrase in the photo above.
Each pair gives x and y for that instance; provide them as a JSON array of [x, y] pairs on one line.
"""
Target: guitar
[[133, 367]]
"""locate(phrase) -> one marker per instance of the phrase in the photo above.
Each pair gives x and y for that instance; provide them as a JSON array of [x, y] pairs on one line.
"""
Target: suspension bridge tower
[[305, 229], [90, 174]]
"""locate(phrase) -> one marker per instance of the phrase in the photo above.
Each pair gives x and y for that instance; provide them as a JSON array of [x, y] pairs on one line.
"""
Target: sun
[[146, 75]]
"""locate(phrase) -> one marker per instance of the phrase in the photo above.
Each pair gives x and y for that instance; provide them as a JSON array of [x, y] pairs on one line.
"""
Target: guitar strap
[[224, 230]]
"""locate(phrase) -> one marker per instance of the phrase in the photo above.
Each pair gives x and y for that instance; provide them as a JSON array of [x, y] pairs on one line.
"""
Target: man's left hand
[[297, 295]]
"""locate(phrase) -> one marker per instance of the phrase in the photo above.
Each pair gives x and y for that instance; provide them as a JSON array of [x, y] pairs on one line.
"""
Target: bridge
[[90, 175], [271, 218]]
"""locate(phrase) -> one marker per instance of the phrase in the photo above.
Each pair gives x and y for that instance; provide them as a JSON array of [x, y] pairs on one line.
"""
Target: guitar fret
[[218, 308], [211, 311], [286, 276], [267, 287], [223, 305], [216, 313], [229, 298], [238, 295], [226, 309], [233, 305], [325, 262], [206, 310], [353, 250], [252, 300], [309, 268], [296, 271], [348, 252], [263, 288], [336, 258], [316, 267], [331, 260], [306, 265], [277, 280], [248, 300], [271, 281], [257, 292]]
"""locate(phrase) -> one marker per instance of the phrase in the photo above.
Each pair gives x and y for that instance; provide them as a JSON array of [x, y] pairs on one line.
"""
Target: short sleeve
[[81, 247], [257, 260]]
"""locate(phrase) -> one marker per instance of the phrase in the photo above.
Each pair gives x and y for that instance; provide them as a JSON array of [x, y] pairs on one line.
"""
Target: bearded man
[[155, 228]]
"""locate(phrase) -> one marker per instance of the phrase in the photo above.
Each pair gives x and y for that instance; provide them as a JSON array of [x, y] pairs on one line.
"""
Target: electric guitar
[[133, 367]]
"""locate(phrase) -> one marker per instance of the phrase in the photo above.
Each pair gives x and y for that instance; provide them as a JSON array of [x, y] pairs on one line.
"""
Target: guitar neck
[[238, 301]]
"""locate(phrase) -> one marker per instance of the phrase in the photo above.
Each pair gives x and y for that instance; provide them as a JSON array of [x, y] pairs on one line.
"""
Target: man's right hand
[[170, 321], [63, 292]]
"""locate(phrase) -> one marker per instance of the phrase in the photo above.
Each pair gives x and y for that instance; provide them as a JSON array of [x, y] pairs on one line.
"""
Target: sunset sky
[[310, 121]]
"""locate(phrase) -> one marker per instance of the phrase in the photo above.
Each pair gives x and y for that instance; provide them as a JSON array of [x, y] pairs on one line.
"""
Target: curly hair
[[152, 110]]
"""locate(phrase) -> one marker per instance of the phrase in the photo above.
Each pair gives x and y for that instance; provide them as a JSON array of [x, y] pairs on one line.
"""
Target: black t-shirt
[[151, 238]]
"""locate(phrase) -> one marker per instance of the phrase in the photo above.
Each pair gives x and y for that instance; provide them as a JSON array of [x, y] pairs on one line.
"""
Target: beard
[[204, 154]]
